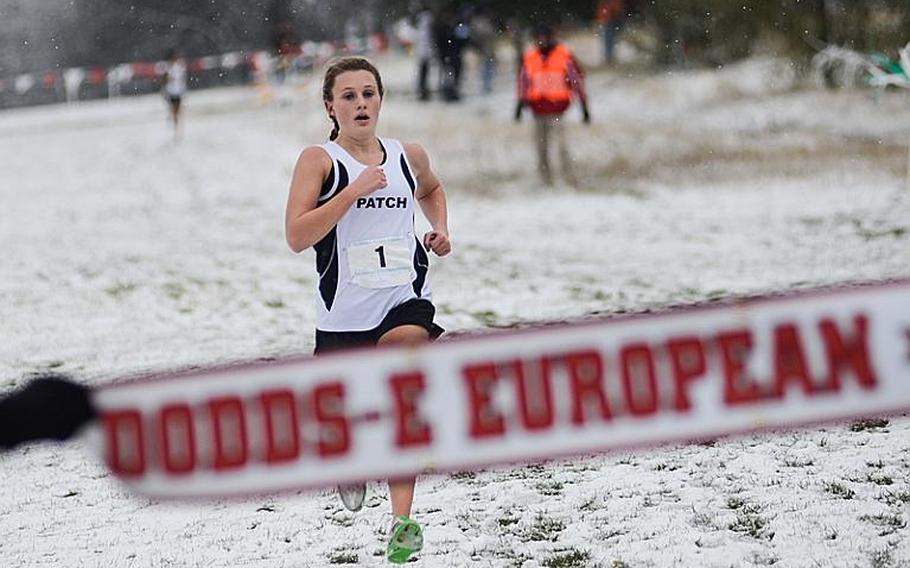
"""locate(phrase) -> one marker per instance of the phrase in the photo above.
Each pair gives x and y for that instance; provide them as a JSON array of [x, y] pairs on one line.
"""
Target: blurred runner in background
[[424, 49], [174, 80], [484, 34]]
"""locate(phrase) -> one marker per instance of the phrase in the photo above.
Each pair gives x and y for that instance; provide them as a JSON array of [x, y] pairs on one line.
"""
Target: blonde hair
[[341, 65]]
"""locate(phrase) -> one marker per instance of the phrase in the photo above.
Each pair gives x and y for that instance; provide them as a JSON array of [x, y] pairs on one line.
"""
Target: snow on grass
[[123, 252]]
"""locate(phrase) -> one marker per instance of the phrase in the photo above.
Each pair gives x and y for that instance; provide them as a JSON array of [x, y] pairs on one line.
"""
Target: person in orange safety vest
[[550, 76]]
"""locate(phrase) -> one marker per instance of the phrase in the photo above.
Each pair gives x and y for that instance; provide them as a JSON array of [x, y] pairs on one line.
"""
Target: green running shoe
[[406, 539]]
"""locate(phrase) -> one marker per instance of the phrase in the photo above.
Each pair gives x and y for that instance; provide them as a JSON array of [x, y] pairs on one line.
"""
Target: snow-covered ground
[[123, 252]]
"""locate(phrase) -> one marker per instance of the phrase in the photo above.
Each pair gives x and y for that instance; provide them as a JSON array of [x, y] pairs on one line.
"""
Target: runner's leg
[[401, 491], [406, 537]]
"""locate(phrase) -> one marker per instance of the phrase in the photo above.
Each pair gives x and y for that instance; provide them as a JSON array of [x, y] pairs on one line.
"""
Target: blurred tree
[[718, 31], [103, 32]]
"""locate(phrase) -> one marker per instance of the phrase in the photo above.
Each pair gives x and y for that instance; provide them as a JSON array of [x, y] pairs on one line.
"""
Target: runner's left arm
[[432, 199]]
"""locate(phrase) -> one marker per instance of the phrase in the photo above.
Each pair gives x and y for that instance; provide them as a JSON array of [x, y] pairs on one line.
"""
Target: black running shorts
[[413, 312]]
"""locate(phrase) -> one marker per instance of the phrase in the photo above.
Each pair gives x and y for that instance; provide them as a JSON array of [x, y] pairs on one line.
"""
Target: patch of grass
[[869, 424], [898, 498], [666, 467], [764, 559], [889, 523], [274, 304], [173, 290], [602, 296], [549, 488], [796, 462], [879, 478], [703, 519], [882, 558], [341, 520], [750, 523], [839, 490], [527, 471], [463, 476], [519, 560], [870, 234], [589, 505], [507, 521], [735, 503], [544, 529], [718, 293], [811, 221], [343, 557], [608, 533], [571, 558], [486, 317], [119, 290]]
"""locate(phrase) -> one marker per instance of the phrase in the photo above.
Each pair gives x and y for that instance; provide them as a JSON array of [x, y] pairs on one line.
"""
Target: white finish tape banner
[[515, 396]]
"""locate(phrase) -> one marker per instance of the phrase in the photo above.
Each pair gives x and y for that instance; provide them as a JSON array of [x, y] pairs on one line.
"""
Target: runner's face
[[355, 103]]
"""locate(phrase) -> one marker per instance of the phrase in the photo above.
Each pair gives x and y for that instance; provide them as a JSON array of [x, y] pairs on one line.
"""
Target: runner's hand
[[585, 115], [369, 180], [438, 242]]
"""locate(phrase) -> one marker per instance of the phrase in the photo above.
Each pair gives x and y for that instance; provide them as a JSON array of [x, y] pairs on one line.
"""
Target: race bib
[[381, 263]]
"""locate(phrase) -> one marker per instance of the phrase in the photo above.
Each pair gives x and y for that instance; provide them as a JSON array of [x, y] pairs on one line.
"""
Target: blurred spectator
[[517, 38], [286, 48], [424, 50], [549, 76], [450, 35], [174, 87], [484, 34], [611, 15]]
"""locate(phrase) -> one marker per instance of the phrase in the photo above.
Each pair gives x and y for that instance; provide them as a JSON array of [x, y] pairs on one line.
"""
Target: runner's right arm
[[306, 224]]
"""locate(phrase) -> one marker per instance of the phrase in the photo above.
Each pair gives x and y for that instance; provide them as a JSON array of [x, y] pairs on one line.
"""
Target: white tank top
[[176, 79], [371, 261]]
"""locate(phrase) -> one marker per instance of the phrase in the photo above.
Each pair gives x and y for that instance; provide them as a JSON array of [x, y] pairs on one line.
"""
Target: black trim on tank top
[[407, 173], [329, 182], [385, 155], [327, 267], [342, 177], [421, 266]]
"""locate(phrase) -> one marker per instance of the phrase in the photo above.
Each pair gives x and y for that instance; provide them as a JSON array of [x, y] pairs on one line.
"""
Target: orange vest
[[548, 76]]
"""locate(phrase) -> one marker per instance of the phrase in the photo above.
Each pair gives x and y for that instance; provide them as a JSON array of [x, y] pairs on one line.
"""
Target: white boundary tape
[[557, 391]]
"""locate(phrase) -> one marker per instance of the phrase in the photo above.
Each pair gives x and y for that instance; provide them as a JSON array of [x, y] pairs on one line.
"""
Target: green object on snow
[[406, 540]]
